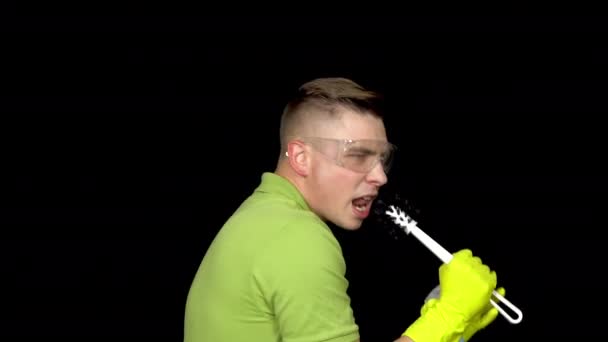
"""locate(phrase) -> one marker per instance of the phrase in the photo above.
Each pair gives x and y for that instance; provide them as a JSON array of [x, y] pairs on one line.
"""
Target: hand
[[466, 288], [477, 323], [466, 285], [487, 316]]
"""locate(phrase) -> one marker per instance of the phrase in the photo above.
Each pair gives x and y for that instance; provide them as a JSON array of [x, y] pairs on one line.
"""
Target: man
[[275, 272]]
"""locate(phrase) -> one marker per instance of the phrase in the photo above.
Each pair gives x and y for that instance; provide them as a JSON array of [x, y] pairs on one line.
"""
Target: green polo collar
[[273, 183]]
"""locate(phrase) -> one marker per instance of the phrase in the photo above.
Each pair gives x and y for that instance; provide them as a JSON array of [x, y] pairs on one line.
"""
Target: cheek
[[336, 185], [343, 185]]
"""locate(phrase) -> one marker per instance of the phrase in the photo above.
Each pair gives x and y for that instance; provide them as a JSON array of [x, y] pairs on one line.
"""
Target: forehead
[[353, 125]]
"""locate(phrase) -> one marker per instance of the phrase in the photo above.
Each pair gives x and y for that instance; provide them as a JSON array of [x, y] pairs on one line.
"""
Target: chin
[[351, 225]]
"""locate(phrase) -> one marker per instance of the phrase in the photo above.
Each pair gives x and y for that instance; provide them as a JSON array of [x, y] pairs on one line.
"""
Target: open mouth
[[362, 205]]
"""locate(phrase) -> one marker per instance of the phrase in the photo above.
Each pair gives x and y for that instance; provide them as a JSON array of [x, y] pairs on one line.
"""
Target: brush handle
[[431, 244]]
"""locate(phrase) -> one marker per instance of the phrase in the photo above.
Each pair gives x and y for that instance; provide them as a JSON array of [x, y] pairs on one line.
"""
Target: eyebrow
[[363, 150]]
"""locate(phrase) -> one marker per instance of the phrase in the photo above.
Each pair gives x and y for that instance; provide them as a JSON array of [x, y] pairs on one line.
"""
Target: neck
[[284, 170]]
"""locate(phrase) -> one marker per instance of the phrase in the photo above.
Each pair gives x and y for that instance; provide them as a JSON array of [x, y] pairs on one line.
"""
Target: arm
[[400, 339], [404, 339], [302, 277]]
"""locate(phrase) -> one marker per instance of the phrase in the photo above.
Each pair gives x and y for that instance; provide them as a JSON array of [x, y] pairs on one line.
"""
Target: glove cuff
[[437, 325]]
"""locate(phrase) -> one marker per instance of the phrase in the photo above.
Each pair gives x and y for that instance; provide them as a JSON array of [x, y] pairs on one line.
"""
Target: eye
[[358, 155]]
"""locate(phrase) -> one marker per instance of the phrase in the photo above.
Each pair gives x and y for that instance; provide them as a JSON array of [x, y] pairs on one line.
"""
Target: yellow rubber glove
[[484, 319], [477, 323], [466, 288]]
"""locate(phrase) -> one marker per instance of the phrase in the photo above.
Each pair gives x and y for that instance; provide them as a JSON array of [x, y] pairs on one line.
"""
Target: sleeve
[[302, 277]]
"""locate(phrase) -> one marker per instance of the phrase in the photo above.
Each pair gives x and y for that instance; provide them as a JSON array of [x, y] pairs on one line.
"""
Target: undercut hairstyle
[[323, 98]]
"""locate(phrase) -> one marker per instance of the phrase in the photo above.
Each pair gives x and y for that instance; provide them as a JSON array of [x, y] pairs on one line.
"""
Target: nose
[[377, 176]]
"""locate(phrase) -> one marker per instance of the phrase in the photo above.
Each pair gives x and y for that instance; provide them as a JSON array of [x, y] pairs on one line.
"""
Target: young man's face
[[343, 194]]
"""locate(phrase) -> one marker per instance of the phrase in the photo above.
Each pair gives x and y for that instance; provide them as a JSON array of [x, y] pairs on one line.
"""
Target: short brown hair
[[326, 96]]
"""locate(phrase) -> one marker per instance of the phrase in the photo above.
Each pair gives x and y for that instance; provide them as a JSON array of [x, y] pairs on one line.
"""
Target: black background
[[127, 140]]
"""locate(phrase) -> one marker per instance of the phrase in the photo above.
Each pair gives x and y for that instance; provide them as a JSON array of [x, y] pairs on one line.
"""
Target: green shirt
[[274, 272]]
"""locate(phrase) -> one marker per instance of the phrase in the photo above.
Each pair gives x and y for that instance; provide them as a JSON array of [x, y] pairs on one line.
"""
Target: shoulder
[[304, 249], [308, 240]]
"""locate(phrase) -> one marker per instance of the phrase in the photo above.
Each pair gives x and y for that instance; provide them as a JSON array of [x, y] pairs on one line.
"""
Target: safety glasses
[[356, 155]]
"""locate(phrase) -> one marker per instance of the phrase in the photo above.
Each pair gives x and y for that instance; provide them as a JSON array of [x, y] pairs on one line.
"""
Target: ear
[[299, 158]]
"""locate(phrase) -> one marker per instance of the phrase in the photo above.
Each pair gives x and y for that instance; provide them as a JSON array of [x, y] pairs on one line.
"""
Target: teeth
[[360, 208]]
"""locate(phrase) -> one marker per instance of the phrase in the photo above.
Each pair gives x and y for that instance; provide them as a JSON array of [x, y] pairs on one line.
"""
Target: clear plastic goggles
[[356, 155]]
